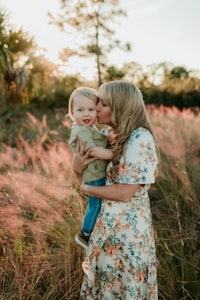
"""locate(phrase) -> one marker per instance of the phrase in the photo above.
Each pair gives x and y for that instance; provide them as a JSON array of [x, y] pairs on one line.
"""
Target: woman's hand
[[84, 188], [80, 159]]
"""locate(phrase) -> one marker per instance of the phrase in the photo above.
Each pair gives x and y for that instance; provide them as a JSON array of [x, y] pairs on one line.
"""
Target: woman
[[121, 259]]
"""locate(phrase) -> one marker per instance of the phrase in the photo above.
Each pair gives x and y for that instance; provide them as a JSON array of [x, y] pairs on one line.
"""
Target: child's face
[[84, 111]]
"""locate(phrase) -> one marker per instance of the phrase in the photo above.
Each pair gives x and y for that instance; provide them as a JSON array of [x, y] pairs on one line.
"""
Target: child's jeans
[[93, 208]]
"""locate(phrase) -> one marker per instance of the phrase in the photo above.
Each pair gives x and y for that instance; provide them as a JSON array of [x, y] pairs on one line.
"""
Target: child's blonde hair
[[84, 91]]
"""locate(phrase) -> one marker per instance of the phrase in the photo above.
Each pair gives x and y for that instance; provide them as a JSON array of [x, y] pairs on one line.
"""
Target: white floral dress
[[121, 259]]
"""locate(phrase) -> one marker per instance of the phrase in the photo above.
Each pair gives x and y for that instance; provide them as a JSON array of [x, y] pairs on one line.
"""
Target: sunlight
[[48, 36], [36, 22]]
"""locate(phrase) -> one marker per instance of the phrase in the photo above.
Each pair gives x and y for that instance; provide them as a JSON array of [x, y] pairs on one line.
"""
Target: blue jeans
[[93, 208]]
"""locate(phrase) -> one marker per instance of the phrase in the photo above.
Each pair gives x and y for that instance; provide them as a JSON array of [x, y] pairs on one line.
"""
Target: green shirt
[[93, 137]]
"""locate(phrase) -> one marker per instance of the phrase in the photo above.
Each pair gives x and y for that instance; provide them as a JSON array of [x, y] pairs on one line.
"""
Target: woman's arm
[[115, 192], [100, 153]]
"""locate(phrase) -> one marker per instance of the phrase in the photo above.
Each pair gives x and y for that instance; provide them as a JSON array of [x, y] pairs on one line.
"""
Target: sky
[[158, 30]]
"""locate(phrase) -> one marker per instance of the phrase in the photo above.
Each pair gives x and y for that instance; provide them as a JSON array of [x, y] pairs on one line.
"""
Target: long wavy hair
[[128, 112]]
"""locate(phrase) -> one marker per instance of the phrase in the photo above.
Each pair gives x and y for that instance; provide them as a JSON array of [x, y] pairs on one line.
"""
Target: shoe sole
[[80, 243]]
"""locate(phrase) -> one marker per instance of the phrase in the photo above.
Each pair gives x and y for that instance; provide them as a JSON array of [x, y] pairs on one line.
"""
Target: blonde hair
[[128, 112], [84, 91]]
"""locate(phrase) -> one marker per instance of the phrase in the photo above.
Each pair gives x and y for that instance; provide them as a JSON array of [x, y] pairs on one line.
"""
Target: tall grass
[[176, 203], [41, 210]]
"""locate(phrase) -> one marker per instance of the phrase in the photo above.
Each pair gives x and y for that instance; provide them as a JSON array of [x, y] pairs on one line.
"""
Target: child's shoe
[[82, 240]]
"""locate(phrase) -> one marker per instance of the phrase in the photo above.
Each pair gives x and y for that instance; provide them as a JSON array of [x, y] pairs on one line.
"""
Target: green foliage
[[182, 93], [113, 73], [14, 45], [179, 72], [6, 58]]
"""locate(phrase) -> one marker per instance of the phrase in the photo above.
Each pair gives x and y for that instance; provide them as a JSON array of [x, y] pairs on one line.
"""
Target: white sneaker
[[82, 240]]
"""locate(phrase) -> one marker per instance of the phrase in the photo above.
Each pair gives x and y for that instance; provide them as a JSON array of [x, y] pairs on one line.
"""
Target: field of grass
[[41, 208]]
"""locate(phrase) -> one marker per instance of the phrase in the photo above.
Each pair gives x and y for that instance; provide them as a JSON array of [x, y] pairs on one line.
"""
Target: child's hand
[[100, 153]]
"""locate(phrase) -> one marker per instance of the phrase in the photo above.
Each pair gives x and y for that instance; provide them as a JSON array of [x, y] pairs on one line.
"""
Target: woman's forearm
[[115, 192]]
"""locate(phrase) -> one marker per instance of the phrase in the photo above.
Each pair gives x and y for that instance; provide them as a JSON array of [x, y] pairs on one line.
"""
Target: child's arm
[[100, 153]]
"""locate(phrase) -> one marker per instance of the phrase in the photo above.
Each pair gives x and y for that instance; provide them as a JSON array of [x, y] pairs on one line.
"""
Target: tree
[[179, 72], [13, 45], [113, 73], [6, 59], [90, 21]]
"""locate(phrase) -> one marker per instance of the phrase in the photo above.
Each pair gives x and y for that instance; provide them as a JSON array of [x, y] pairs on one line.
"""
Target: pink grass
[[37, 178], [39, 198], [177, 136]]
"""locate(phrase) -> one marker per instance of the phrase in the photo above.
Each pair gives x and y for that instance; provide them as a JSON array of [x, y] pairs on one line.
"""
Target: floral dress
[[121, 261]]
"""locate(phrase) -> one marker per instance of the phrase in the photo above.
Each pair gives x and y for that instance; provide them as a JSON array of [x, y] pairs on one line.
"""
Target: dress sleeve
[[141, 159]]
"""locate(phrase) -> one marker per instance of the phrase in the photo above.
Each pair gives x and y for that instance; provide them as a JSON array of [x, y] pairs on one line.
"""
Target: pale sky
[[158, 30]]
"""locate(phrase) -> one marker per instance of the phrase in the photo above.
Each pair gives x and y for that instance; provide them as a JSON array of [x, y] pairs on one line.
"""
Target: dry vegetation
[[41, 210], [176, 202]]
